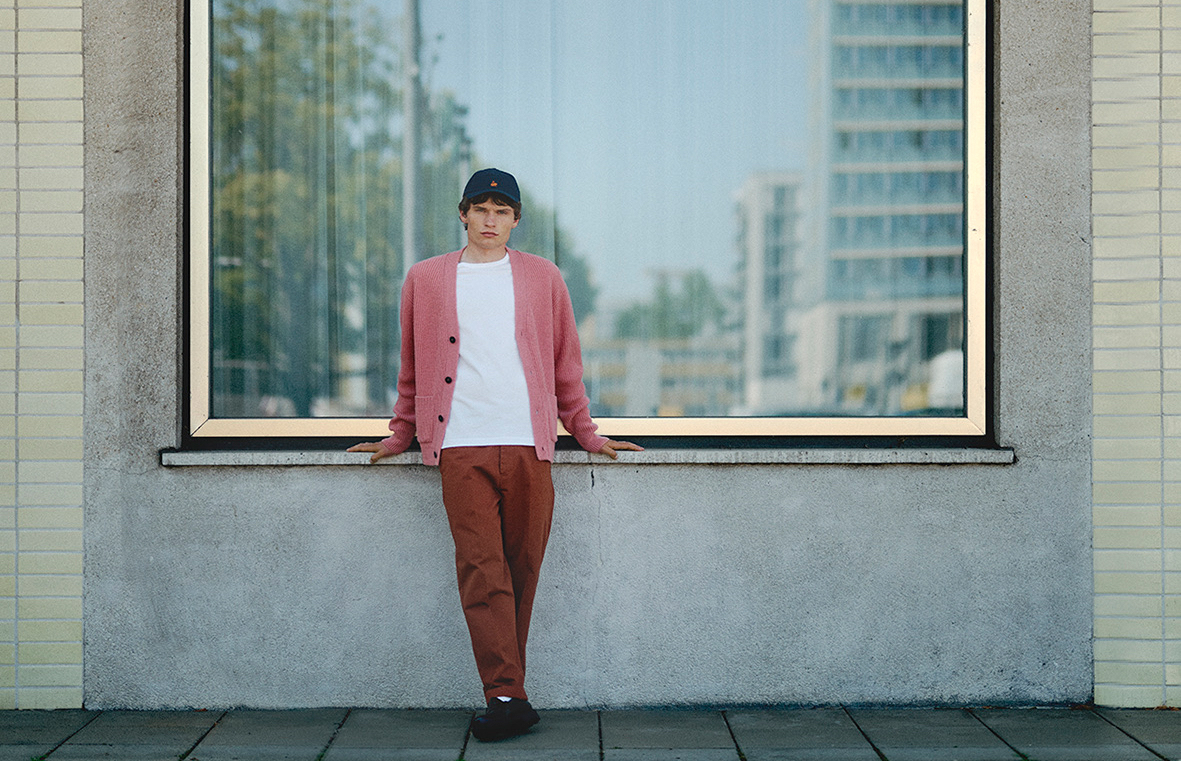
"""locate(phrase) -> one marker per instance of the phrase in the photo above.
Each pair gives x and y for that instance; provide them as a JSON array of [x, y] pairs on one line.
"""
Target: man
[[490, 363]]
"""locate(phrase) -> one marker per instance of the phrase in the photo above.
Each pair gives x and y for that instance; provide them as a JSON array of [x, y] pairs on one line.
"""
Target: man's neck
[[473, 255]]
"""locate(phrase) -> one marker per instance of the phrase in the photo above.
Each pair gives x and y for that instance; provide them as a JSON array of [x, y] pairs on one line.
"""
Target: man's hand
[[376, 447], [612, 448]]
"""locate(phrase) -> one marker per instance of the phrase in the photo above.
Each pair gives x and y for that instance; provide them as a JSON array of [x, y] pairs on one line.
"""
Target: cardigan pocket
[[551, 418], [424, 415]]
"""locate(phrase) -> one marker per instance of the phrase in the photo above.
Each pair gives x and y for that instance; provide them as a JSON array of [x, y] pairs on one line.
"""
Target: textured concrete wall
[[664, 584]]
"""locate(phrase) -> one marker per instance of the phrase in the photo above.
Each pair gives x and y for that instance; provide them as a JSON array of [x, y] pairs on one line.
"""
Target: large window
[[770, 214]]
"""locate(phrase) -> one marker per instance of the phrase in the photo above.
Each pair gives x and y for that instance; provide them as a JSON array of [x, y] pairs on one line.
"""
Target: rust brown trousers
[[500, 504]]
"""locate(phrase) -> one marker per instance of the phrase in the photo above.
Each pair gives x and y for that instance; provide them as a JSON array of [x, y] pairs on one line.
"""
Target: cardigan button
[[452, 339], [440, 418], [447, 379]]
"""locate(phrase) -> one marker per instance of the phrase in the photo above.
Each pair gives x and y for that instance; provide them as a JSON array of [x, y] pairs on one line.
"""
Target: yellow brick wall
[[41, 353], [1136, 207]]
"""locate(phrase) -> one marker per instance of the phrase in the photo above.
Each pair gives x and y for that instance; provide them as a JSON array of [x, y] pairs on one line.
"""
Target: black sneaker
[[504, 719]]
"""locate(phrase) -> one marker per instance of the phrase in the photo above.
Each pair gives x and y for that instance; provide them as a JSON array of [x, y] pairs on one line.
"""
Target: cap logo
[[494, 183]]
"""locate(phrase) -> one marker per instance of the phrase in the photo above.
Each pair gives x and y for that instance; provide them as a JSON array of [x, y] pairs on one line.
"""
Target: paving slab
[[378, 728], [122, 752], [15, 753], [935, 734], [665, 729], [391, 754], [179, 728], [252, 753], [270, 735], [26, 734], [565, 735], [138, 736], [1159, 729], [815, 734], [41, 727], [400, 735], [671, 754], [1063, 734]]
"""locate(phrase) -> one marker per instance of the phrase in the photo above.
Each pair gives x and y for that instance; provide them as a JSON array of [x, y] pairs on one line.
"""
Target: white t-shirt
[[491, 401]]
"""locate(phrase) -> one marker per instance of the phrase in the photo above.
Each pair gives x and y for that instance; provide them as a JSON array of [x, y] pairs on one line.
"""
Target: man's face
[[489, 225]]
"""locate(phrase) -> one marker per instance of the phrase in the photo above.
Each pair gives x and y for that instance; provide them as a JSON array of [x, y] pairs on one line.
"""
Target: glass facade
[[895, 234], [759, 208]]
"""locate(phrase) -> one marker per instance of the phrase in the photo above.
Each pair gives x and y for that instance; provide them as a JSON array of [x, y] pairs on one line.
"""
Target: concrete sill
[[651, 457]]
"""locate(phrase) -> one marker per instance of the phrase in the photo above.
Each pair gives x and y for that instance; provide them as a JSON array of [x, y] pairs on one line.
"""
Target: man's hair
[[495, 198]]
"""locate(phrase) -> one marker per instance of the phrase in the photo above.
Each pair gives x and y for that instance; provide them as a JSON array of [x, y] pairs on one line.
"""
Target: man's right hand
[[376, 447]]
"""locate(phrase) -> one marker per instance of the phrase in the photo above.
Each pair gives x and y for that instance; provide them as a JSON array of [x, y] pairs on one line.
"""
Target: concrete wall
[[665, 583]]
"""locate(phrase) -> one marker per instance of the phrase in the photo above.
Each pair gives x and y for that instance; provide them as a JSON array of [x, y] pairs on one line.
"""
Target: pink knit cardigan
[[546, 337]]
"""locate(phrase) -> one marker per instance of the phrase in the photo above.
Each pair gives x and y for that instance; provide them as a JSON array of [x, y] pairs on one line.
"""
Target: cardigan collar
[[454, 257], [520, 283]]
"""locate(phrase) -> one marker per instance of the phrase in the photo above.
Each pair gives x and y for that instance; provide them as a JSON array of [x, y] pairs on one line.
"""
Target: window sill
[[816, 456]]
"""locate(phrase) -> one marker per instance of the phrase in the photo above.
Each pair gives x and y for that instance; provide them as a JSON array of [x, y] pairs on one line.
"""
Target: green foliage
[[306, 187], [681, 313], [307, 212], [539, 233], [577, 274]]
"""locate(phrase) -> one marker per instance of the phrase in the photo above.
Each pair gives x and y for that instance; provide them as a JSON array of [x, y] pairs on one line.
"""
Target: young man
[[490, 363]]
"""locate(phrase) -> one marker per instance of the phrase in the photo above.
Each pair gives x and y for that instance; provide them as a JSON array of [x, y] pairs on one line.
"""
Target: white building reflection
[[849, 287]]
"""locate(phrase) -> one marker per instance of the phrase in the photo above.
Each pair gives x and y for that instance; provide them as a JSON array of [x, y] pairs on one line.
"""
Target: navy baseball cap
[[492, 181]]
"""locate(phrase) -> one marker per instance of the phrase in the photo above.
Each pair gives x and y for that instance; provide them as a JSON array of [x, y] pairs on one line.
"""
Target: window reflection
[[758, 206]]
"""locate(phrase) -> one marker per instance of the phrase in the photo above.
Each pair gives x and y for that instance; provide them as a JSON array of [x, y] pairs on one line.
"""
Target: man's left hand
[[612, 448]]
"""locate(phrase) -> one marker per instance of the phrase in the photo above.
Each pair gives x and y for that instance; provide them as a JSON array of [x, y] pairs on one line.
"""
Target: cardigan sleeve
[[402, 424], [573, 405]]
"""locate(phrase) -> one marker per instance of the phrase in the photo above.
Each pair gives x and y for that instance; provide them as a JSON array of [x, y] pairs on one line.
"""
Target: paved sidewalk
[[821, 734]]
